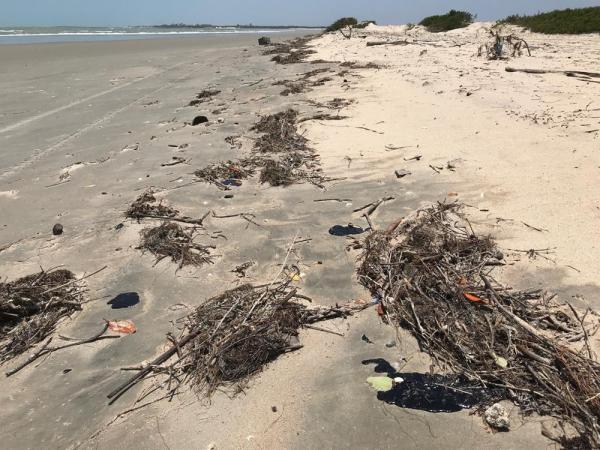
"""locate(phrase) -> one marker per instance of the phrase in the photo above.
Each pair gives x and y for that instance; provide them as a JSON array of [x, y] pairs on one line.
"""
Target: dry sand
[[521, 151]]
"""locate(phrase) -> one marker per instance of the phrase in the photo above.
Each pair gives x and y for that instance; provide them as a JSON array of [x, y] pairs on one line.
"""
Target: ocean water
[[29, 35]]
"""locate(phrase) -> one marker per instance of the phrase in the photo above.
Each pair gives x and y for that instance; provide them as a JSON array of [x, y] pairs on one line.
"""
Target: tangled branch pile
[[170, 240], [233, 336], [502, 46], [31, 307], [433, 276]]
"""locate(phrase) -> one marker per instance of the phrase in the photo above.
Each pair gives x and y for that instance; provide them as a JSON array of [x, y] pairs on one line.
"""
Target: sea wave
[[21, 33]]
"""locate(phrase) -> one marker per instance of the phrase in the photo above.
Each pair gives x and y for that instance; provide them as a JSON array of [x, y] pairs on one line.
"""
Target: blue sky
[[264, 12]]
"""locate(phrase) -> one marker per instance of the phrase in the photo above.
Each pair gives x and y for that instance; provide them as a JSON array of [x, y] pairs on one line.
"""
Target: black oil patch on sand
[[124, 300], [433, 393]]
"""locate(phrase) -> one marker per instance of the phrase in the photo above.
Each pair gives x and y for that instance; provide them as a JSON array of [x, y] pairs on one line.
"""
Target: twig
[[45, 350]]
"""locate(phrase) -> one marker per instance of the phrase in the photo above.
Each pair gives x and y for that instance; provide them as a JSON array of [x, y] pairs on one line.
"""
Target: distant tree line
[[567, 21]]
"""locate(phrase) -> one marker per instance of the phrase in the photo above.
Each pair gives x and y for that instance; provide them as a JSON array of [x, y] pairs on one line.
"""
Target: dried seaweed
[[292, 52], [357, 65], [433, 276], [279, 133], [227, 170], [170, 240], [303, 83], [145, 206], [204, 96], [232, 336], [32, 306], [280, 153]]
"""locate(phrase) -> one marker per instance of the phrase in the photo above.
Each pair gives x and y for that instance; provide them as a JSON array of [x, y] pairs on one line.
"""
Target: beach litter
[[232, 336], [434, 275]]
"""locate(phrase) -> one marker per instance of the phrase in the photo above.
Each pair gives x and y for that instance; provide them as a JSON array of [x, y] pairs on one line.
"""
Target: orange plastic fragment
[[473, 298], [122, 326]]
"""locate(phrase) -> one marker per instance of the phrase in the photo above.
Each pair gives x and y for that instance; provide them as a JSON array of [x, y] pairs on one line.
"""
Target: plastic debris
[[381, 384]]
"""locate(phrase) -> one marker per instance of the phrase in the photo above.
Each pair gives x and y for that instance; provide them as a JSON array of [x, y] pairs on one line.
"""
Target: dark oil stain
[[340, 230], [125, 300], [433, 393]]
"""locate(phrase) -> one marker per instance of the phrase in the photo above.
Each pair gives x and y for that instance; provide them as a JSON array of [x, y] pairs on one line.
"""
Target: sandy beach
[[85, 128]]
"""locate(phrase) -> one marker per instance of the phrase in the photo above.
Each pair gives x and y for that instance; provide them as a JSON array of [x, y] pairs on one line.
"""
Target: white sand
[[525, 145]]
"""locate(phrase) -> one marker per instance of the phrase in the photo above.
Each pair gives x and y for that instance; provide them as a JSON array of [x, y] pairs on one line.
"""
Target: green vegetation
[[446, 22], [365, 24], [567, 21], [342, 23]]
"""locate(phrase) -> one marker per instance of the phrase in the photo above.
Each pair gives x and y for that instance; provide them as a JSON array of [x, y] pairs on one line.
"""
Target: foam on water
[[69, 34]]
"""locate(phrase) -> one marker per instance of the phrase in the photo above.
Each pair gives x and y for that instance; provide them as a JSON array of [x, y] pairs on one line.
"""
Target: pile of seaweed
[[232, 336], [204, 96], [433, 275], [147, 206], [227, 172], [291, 52], [32, 306], [280, 153], [304, 83], [170, 240]]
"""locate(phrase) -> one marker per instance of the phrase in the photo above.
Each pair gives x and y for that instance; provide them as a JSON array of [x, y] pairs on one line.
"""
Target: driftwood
[[569, 73], [497, 48], [45, 349], [399, 42]]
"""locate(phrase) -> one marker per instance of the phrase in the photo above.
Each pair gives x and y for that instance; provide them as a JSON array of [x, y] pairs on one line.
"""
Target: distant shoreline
[[39, 35]]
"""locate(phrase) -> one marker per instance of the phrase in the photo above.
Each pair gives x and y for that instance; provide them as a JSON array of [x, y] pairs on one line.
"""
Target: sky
[[258, 12]]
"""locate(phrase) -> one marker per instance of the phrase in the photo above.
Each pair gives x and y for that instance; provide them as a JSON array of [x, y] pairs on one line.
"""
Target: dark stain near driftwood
[[124, 300], [432, 393], [348, 230], [198, 120]]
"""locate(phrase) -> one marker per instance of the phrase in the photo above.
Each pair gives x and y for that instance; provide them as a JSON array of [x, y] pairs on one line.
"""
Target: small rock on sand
[[57, 229], [497, 417]]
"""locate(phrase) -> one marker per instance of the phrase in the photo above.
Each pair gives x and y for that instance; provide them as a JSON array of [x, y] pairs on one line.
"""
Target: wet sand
[[109, 114]]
